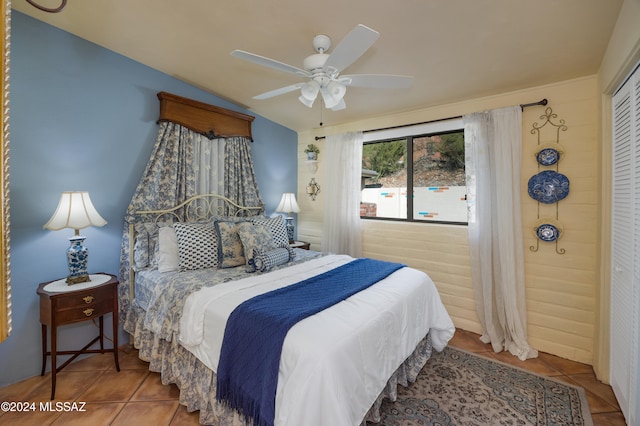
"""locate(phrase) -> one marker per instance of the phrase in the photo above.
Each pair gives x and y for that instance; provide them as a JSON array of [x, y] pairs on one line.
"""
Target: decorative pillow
[[197, 246], [277, 227], [145, 249], [168, 257], [144, 245], [264, 261], [255, 237], [230, 249]]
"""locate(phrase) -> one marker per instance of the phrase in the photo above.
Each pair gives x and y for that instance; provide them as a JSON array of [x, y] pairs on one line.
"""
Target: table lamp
[[75, 211], [287, 205]]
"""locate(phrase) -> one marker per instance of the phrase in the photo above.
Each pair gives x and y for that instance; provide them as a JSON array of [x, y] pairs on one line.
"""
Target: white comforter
[[334, 364]]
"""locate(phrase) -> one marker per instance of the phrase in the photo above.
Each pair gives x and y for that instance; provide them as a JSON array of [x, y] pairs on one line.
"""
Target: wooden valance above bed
[[211, 121]]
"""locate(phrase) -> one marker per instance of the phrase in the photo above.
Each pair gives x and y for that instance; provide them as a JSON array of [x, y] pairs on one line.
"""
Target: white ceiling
[[455, 49]]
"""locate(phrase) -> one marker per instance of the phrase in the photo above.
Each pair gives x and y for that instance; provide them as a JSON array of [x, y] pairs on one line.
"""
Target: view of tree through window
[[433, 173]]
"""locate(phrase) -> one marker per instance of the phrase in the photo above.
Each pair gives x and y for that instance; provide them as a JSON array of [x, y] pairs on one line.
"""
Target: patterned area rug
[[459, 388]]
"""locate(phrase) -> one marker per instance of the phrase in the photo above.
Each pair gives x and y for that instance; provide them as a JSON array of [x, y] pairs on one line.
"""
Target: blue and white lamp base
[[290, 229], [77, 255]]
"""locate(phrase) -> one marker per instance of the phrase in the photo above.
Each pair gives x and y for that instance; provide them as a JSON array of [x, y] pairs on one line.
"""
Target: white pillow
[[168, 258]]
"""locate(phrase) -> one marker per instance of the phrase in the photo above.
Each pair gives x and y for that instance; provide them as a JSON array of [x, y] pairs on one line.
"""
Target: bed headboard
[[198, 208]]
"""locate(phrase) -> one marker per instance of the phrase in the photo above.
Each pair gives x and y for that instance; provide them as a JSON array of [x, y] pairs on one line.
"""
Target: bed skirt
[[197, 383]]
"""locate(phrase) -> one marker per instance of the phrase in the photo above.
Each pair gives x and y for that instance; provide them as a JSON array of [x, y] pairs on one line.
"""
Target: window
[[429, 165]]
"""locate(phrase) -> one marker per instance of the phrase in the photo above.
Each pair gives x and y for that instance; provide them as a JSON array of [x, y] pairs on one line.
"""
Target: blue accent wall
[[84, 118]]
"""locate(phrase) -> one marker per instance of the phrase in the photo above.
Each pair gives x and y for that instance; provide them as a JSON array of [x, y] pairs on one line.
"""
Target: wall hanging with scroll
[[548, 187]]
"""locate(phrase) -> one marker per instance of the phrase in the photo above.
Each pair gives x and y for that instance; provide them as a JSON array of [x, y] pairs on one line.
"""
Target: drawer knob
[[88, 299], [88, 312]]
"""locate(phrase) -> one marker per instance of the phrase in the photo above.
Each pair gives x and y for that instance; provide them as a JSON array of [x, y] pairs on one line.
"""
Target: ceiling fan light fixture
[[309, 93], [310, 90], [333, 94], [306, 102], [339, 106]]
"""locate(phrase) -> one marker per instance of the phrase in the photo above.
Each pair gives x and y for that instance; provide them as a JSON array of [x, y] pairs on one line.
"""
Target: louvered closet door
[[625, 248]]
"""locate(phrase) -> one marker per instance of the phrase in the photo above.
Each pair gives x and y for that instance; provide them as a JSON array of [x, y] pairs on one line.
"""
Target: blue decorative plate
[[547, 232], [548, 187], [548, 156]]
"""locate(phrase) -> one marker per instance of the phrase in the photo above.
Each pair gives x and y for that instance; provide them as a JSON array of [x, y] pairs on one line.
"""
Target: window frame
[[409, 133]]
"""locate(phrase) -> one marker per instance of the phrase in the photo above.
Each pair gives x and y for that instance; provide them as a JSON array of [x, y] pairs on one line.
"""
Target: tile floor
[[136, 396]]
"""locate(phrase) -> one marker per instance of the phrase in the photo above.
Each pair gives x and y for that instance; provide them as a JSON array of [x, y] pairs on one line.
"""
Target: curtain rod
[[522, 106]]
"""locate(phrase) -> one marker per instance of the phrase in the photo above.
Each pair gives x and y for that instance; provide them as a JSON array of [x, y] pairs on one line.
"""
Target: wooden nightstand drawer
[[82, 313], [85, 298]]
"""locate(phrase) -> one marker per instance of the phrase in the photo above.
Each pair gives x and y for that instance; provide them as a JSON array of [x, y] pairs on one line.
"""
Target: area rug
[[459, 388]]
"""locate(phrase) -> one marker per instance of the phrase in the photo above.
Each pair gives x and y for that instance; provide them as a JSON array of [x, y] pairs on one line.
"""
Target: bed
[[336, 366]]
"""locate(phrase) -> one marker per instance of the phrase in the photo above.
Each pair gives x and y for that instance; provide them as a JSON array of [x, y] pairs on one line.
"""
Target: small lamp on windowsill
[[287, 205], [75, 211]]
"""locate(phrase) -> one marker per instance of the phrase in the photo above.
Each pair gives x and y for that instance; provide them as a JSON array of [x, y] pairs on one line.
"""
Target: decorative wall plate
[[548, 230], [548, 156], [548, 187]]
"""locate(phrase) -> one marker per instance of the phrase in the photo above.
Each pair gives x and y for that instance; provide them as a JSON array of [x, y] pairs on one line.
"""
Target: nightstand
[[300, 244], [62, 304]]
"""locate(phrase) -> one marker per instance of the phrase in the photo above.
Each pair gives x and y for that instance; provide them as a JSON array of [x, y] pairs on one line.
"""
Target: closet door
[[625, 248]]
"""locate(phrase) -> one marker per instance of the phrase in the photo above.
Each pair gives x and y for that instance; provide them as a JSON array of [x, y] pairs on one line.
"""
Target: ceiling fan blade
[[378, 81], [358, 41], [270, 63], [280, 91]]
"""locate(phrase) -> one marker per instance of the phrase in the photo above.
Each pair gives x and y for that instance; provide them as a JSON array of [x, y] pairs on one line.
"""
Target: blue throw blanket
[[250, 354]]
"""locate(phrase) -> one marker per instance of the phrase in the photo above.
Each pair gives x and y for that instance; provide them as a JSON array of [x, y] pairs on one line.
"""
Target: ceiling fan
[[323, 70]]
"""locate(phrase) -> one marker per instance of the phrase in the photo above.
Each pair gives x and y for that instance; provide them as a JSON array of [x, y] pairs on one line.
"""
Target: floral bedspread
[[161, 295]]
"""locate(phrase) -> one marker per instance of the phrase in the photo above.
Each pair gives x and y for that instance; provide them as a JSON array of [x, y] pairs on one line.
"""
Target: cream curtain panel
[[341, 227], [493, 150]]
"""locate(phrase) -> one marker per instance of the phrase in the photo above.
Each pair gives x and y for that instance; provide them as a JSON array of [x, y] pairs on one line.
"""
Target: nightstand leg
[[54, 368], [101, 321], [44, 348], [115, 335]]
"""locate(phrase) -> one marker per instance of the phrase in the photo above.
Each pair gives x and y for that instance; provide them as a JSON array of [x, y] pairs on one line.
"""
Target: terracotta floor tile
[[113, 386], [32, 418], [469, 342], [565, 366], [609, 419], [130, 361], [534, 365], [152, 389], [94, 414], [185, 418], [17, 391], [595, 386], [97, 362], [69, 386], [147, 413]]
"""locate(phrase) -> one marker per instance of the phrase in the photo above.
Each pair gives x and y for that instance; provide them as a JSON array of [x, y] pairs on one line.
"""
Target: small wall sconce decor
[[313, 189], [75, 211]]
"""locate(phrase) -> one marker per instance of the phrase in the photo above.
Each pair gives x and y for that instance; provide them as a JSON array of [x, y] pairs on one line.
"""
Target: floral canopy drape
[[185, 163]]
